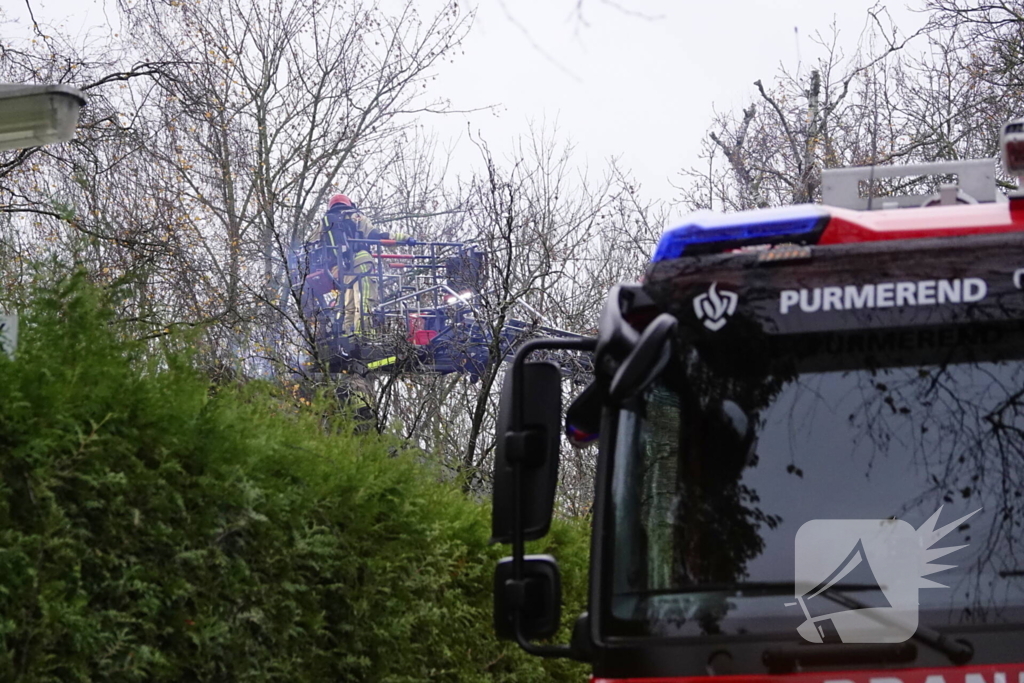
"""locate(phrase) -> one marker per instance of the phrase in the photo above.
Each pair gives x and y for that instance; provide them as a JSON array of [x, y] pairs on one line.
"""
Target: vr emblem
[[714, 307]]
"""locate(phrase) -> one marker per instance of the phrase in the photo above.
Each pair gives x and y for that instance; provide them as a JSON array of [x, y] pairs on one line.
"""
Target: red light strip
[[848, 226], [987, 673]]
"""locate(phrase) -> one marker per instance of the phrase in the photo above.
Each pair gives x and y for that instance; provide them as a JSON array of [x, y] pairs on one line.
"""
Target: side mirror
[[615, 337], [649, 357], [538, 601], [534, 447], [527, 589]]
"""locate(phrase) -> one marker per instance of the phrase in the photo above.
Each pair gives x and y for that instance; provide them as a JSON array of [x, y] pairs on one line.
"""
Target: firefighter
[[343, 222]]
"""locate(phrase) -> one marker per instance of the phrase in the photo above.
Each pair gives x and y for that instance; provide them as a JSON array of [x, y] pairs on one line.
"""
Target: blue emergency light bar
[[708, 231]]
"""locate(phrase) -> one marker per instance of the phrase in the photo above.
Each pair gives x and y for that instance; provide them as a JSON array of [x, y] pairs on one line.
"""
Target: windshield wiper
[[959, 651], [753, 587], [780, 660]]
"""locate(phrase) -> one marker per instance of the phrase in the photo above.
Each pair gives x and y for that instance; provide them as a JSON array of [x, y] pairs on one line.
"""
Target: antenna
[[874, 145], [799, 61]]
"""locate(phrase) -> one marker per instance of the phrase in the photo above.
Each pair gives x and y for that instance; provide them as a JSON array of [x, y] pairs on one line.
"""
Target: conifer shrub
[[155, 529]]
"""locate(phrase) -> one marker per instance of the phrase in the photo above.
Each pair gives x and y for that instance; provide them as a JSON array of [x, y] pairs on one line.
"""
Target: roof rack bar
[[840, 187]]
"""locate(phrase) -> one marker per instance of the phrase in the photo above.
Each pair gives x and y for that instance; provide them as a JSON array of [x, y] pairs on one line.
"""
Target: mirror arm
[[581, 344], [636, 371], [518, 584], [540, 650]]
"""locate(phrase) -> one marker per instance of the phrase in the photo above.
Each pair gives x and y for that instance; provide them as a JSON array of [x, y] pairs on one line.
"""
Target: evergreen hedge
[[152, 528]]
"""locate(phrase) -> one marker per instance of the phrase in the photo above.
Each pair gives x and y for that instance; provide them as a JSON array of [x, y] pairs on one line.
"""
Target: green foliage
[[154, 529]]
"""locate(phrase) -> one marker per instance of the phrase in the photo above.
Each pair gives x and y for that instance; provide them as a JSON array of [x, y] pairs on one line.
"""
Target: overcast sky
[[638, 79], [643, 89]]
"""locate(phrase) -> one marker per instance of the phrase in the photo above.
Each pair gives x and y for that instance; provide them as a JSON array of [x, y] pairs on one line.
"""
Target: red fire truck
[[810, 429]]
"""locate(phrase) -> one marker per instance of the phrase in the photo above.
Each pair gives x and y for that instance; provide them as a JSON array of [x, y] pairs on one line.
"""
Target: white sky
[[617, 84], [640, 89]]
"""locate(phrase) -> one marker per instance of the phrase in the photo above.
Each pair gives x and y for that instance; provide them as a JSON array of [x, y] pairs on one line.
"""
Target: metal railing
[[854, 187]]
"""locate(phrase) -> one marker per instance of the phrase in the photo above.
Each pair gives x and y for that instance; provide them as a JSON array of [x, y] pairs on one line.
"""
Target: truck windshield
[[719, 465]]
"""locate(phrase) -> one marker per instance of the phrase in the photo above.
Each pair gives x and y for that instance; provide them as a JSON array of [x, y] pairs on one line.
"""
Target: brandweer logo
[[838, 560], [714, 307]]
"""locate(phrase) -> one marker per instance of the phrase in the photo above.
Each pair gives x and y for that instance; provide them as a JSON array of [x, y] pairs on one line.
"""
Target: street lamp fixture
[[34, 115]]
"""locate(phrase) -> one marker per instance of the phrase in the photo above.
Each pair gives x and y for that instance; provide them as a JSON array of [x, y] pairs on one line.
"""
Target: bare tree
[[209, 159], [275, 106], [195, 180], [555, 241], [843, 111]]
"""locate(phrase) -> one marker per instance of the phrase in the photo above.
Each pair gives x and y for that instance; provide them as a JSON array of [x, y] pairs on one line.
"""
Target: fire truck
[[810, 432]]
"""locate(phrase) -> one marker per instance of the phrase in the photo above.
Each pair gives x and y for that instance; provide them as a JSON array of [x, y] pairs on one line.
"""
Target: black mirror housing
[[535, 447], [538, 601], [648, 358]]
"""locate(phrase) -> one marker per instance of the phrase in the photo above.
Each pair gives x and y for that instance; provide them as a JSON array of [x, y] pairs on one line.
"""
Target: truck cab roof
[[846, 217], [810, 224]]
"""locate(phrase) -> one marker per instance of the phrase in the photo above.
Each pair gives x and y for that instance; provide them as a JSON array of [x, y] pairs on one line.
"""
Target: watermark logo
[[857, 579], [714, 307]]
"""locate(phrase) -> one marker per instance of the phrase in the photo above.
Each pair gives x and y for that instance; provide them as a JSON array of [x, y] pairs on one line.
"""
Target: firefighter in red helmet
[[342, 222]]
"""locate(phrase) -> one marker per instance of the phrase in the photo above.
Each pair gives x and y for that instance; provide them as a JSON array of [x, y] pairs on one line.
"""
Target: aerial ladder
[[428, 315]]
